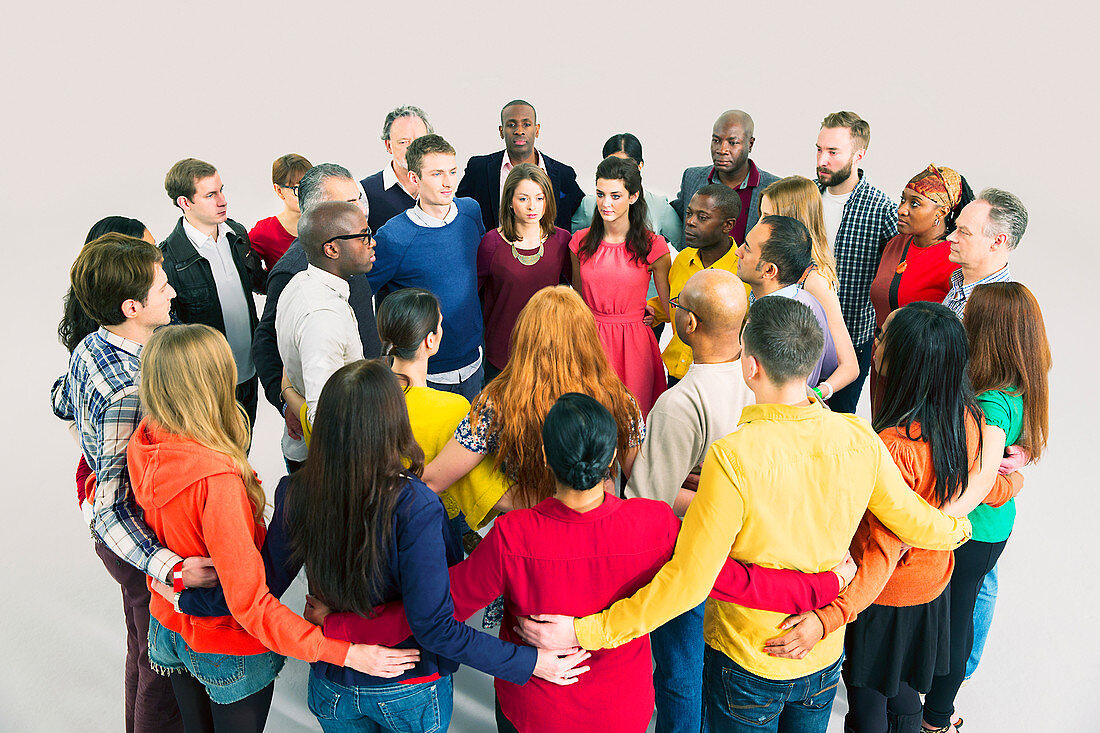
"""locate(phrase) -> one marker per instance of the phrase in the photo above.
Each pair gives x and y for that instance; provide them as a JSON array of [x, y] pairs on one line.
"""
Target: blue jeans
[[678, 672], [227, 678], [735, 699], [983, 618], [423, 707]]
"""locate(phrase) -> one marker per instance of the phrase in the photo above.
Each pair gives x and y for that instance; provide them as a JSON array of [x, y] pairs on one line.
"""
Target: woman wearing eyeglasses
[[272, 237]]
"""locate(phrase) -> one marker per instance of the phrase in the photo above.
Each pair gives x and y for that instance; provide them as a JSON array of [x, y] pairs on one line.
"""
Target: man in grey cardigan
[[731, 142], [702, 407]]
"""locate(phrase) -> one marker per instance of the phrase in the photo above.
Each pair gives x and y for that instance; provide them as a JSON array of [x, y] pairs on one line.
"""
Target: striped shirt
[[100, 392], [870, 220], [960, 293]]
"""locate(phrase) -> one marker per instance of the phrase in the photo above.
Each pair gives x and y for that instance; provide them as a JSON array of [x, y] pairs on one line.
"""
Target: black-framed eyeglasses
[[293, 188], [879, 333], [364, 236], [675, 303]]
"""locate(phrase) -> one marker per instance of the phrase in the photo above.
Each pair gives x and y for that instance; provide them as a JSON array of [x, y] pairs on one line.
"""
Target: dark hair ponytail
[[579, 436], [624, 142], [637, 237], [405, 318], [75, 323], [966, 195]]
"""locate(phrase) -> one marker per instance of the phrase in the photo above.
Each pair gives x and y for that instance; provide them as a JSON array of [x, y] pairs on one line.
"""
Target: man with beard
[[731, 141], [859, 219]]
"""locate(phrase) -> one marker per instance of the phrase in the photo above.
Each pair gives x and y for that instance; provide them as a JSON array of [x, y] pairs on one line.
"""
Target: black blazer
[[481, 182], [190, 276]]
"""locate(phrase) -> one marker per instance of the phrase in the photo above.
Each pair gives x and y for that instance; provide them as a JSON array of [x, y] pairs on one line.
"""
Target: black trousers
[[845, 400], [972, 561], [246, 395]]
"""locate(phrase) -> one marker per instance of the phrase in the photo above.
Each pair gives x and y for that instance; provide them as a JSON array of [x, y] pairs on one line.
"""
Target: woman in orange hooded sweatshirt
[[191, 476]]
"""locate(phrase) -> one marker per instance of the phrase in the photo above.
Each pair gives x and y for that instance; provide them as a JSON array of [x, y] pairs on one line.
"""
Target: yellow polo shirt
[[787, 489], [677, 355]]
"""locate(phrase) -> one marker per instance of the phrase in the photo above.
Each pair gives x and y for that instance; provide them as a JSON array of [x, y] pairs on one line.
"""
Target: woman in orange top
[[191, 477]]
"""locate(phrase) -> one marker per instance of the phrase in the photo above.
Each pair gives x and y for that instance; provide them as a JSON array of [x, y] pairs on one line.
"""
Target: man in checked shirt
[[121, 284], [859, 219]]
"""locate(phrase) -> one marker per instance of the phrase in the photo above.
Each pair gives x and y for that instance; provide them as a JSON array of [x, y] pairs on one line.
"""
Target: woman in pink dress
[[613, 261]]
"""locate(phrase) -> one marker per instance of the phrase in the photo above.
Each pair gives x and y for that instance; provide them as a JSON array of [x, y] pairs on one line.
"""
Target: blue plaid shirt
[[870, 220], [100, 392], [959, 293]]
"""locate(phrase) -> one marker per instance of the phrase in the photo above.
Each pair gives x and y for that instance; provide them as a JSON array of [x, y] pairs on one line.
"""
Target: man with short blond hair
[[859, 220]]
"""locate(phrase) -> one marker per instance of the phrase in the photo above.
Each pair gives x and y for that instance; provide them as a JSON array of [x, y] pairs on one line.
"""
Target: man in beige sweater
[[702, 407]]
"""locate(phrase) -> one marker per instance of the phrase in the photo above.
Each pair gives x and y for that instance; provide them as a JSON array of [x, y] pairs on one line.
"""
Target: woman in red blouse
[[914, 264], [272, 237]]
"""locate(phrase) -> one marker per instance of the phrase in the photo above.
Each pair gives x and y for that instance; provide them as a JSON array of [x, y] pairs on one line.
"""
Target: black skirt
[[886, 645]]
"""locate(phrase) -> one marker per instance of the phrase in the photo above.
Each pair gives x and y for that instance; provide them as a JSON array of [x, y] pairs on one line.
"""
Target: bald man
[[702, 407], [315, 326], [731, 141]]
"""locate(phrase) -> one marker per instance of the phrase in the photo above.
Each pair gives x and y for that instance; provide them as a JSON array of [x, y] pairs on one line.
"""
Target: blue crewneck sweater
[[444, 261]]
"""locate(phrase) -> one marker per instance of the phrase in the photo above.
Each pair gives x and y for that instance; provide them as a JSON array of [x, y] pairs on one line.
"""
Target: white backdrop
[[100, 103]]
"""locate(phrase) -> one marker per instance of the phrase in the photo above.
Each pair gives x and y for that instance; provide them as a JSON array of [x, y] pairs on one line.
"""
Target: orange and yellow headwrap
[[942, 185]]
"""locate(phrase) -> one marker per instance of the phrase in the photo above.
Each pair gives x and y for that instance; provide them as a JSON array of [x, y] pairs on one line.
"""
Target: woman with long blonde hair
[[798, 198], [191, 476], [555, 350]]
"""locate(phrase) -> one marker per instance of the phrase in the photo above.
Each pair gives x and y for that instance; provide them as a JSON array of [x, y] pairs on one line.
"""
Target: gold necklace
[[528, 260]]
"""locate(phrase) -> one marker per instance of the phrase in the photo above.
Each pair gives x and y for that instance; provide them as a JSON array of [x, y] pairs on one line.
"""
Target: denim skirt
[[226, 677]]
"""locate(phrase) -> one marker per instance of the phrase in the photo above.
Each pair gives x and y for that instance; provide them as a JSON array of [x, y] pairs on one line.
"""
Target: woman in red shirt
[[914, 264], [272, 237]]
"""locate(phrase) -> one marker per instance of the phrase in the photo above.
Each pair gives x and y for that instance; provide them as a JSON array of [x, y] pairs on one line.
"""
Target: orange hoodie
[[195, 502]]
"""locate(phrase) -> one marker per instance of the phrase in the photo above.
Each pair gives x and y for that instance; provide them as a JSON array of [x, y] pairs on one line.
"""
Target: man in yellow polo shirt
[[709, 218], [787, 489]]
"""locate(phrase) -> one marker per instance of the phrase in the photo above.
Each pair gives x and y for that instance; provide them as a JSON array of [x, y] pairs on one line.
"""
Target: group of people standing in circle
[[478, 415]]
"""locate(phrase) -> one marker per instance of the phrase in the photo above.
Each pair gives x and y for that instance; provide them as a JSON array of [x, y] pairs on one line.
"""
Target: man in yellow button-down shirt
[[708, 219], [787, 489]]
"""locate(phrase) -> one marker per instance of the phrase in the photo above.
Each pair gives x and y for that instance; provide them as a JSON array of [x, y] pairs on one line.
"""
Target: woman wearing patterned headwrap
[[914, 264]]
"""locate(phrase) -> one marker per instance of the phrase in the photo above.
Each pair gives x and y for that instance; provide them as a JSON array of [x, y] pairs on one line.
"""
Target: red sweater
[[552, 559], [270, 240], [195, 502]]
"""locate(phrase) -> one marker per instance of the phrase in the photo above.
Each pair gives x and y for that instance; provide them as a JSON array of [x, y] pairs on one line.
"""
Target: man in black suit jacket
[[485, 174]]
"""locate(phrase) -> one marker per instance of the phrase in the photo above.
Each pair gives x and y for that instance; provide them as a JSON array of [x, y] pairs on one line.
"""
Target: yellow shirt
[[677, 355], [787, 489], [433, 416]]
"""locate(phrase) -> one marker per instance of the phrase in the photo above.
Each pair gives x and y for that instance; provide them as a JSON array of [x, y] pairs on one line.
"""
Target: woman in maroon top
[[576, 552], [525, 254], [272, 237], [914, 264]]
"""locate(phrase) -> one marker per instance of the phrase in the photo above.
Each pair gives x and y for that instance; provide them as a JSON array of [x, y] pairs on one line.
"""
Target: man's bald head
[[323, 221], [736, 117], [718, 299]]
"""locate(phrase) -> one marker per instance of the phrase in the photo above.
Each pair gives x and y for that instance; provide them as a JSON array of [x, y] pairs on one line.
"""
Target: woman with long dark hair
[[1010, 359], [614, 260], [369, 531]]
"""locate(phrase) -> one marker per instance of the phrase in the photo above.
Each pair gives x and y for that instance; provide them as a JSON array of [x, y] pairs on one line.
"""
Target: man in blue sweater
[[434, 245]]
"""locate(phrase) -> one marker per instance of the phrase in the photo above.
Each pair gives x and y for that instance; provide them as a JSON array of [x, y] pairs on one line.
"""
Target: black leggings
[[972, 562], [201, 715], [869, 711]]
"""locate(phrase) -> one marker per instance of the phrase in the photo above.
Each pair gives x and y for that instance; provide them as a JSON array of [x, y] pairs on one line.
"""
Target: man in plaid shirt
[[121, 284], [859, 219]]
